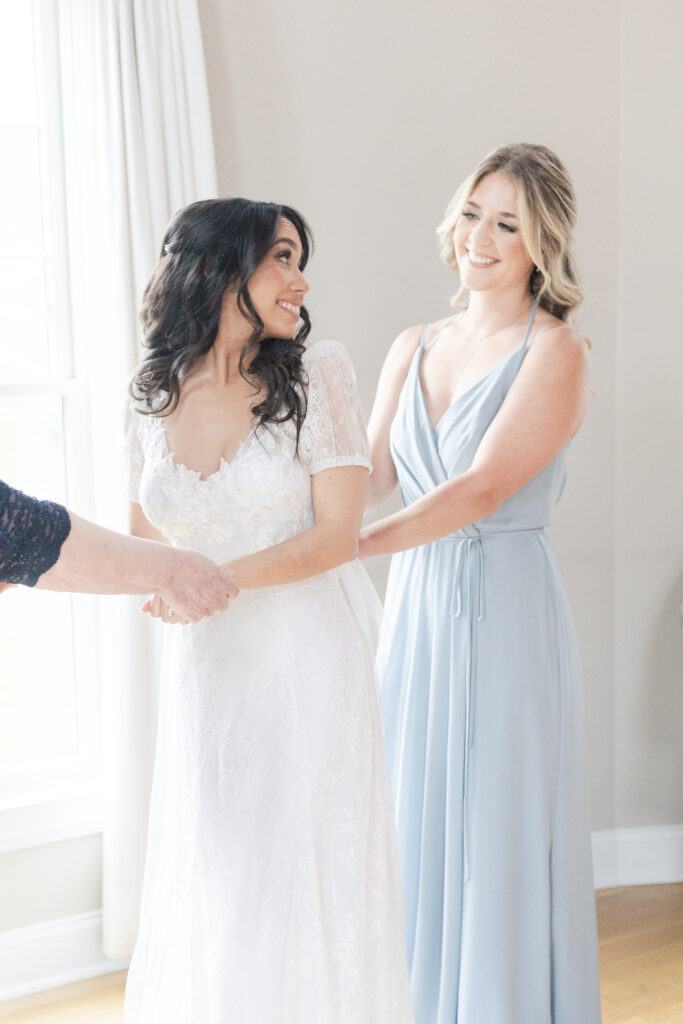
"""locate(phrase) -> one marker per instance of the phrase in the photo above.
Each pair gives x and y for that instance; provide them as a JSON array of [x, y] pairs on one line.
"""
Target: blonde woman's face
[[487, 240]]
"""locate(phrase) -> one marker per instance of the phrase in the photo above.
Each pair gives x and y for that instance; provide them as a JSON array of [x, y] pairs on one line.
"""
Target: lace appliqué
[[31, 535]]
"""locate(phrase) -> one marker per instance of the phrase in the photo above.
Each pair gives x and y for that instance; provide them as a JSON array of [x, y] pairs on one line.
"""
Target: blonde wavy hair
[[547, 213]]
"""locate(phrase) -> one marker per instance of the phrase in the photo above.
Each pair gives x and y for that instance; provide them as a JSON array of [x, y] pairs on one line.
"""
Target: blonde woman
[[481, 672]]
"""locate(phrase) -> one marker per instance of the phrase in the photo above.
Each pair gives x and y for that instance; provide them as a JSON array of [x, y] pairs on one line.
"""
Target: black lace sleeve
[[31, 535]]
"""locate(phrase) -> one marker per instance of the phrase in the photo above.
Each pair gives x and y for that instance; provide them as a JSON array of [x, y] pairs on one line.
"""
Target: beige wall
[[649, 420], [367, 117]]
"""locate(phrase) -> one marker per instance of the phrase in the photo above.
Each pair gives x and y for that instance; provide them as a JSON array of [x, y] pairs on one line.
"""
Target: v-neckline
[[463, 394], [223, 462]]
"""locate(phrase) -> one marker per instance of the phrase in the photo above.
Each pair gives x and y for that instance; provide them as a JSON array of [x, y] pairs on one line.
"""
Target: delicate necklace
[[480, 340]]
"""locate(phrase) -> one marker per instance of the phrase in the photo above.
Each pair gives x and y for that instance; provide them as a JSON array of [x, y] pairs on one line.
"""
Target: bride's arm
[[333, 447], [338, 499]]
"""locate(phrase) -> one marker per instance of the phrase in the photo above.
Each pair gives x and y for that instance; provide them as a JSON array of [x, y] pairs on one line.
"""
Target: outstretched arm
[[542, 410], [94, 560]]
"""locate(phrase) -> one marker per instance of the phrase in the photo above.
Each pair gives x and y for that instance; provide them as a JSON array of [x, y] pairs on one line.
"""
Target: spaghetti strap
[[444, 325], [560, 327], [530, 323]]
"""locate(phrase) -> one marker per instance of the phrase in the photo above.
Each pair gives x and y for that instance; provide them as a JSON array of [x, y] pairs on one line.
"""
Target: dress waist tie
[[470, 552]]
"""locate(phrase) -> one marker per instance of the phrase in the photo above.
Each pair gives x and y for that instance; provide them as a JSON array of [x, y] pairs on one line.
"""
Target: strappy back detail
[[423, 336]]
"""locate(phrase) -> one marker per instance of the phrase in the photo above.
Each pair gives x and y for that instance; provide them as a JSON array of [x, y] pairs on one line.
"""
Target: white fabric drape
[[138, 147]]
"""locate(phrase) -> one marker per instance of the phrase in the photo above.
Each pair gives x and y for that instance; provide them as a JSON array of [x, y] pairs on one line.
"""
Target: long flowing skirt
[[272, 892], [483, 722]]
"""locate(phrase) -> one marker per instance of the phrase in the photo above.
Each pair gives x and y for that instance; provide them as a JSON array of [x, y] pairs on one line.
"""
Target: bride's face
[[277, 286]]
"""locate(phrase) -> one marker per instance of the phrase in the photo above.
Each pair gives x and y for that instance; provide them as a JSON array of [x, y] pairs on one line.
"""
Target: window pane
[[38, 720], [32, 445], [24, 352], [22, 231], [32, 309], [17, 82]]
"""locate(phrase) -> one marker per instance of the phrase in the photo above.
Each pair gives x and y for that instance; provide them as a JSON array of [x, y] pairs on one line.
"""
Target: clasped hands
[[195, 589]]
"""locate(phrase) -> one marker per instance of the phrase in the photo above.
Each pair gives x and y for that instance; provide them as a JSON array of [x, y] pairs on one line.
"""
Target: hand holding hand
[[158, 609], [195, 588]]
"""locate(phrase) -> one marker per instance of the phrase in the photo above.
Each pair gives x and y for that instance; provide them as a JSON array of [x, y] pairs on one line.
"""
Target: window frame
[[61, 799]]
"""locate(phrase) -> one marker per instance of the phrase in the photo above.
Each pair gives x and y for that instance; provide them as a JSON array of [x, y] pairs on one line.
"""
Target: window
[[49, 774]]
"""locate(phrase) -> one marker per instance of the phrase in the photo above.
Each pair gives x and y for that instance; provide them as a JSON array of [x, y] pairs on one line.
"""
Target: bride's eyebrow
[[285, 241]]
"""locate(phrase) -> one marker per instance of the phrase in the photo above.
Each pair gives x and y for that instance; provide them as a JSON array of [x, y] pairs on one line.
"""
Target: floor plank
[[641, 954], [96, 1001]]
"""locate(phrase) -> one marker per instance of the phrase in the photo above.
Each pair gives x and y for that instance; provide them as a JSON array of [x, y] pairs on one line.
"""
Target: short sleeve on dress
[[133, 453], [31, 535], [333, 432]]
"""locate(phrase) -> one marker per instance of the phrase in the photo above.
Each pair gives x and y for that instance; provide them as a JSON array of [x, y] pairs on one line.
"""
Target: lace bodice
[[263, 495], [31, 535]]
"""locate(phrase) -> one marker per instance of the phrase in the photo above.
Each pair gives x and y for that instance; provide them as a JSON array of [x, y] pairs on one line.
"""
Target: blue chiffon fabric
[[483, 722]]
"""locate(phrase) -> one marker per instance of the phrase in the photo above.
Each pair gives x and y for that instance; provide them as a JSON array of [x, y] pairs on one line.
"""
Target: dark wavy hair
[[209, 247]]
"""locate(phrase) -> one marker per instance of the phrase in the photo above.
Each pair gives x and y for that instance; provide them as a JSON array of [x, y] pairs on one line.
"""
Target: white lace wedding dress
[[271, 892]]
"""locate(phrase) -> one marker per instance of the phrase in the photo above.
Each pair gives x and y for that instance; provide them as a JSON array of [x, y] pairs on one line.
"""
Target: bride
[[271, 892]]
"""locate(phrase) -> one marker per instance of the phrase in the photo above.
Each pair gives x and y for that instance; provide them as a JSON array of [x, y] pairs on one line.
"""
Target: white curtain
[[138, 147]]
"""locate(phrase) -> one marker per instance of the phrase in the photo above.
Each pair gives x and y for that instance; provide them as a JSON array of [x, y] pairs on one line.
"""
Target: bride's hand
[[158, 609]]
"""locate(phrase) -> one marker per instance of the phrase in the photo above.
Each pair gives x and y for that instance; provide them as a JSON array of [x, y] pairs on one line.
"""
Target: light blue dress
[[483, 721]]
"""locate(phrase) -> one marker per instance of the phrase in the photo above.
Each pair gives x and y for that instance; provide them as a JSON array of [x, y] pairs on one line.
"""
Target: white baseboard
[[55, 953], [638, 856]]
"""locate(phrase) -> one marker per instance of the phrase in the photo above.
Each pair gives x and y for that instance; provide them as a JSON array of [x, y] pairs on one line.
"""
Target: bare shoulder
[[555, 342], [404, 344]]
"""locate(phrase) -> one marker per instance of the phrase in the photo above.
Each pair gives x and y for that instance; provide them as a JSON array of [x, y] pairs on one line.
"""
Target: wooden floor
[[641, 968], [98, 1001], [641, 954]]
